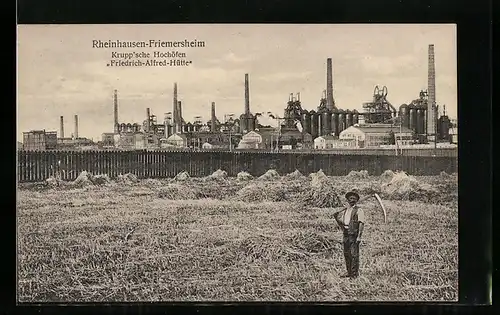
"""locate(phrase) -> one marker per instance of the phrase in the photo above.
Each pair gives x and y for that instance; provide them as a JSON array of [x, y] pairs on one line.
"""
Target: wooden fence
[[34, 166]]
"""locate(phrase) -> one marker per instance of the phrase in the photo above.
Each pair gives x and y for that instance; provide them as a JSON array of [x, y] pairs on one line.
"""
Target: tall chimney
[[175, 119], [179, 116], [148, 119], [115, 103], [431, 88], [247, 96], [330, 103], [212, 120], [62, 127], [179, 111], [76, 126]]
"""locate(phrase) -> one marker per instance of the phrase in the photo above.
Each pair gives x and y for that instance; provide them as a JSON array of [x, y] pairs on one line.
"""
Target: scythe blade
[[381, 206]]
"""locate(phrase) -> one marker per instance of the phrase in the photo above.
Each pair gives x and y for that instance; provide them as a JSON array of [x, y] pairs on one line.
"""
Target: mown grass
[[72, 247]]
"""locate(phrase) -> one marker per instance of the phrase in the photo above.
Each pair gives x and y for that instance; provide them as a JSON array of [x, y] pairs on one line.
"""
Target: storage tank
[[342, 121], [355, 117], [444, 128], [305, 119], [348, 118], [243, 124], [424, 119], [251, 122], [326, 120], [403, 114], [413, 117], [335, 121], [314, 124], [420, 121], [135, 127]]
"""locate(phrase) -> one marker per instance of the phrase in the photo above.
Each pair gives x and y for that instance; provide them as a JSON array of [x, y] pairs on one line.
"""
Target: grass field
[[217, 245]]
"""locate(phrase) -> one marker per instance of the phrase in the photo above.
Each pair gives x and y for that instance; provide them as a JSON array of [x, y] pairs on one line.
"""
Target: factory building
[[333, 142], [39, 140], [375, 135], [327, 119], [420, 115]]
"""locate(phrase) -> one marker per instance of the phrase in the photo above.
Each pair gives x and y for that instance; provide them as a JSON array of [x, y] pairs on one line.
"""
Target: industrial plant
[[327, 126]]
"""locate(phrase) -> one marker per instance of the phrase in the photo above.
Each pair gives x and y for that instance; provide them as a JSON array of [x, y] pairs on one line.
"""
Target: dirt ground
[[201, 240]]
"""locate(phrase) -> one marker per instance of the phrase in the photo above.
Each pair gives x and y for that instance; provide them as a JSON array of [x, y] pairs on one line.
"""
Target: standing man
[[351, 221]]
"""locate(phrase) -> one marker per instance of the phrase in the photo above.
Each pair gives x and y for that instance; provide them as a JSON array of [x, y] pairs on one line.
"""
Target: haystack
[[295, 175], [244, 176], [322, 192], [318, 178], [84, 179], [177, 192], [182, 176], [128, 178], [401, 187], [269, 175], [101, 179], [217, 175], [387, 176], [54, 182], [358, 174]]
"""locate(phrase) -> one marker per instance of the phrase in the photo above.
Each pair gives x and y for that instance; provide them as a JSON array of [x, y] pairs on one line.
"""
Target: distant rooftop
[[381, 128]]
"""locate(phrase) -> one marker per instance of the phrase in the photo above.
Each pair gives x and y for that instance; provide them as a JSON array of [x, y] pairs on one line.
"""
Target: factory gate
[[36, 166]]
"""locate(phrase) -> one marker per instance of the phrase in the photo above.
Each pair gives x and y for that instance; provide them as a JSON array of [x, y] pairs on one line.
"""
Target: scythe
[[379, 200]]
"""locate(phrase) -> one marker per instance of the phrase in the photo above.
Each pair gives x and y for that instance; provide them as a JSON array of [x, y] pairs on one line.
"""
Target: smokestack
[[330, 103], [175, 113], [212, 121], [115, 104], [148, 119], [76, 126], [179, 112], [431, 89], [247, 96], [62, 127]]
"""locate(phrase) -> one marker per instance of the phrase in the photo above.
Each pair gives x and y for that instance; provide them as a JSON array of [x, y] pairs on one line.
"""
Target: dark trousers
[[351, 254]]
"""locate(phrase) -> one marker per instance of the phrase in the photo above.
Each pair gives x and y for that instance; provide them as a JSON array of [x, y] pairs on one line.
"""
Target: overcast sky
[[59, 73]]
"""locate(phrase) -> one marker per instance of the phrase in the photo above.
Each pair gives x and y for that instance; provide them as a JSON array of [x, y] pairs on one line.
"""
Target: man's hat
[[352, 193]]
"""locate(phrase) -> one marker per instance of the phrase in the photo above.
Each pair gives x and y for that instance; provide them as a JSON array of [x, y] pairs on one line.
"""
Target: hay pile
[[182, 176], [84, 179], [151, 182], [221, 191], [318, 179], [100, 179], [401, 187], [313, 242], [128, 178], [294, 175], [358, 174], [177, 192], [244, 176], [257, 192], [54, 182], [269, 175], [218, 175], [321, 193], [387, 176]]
